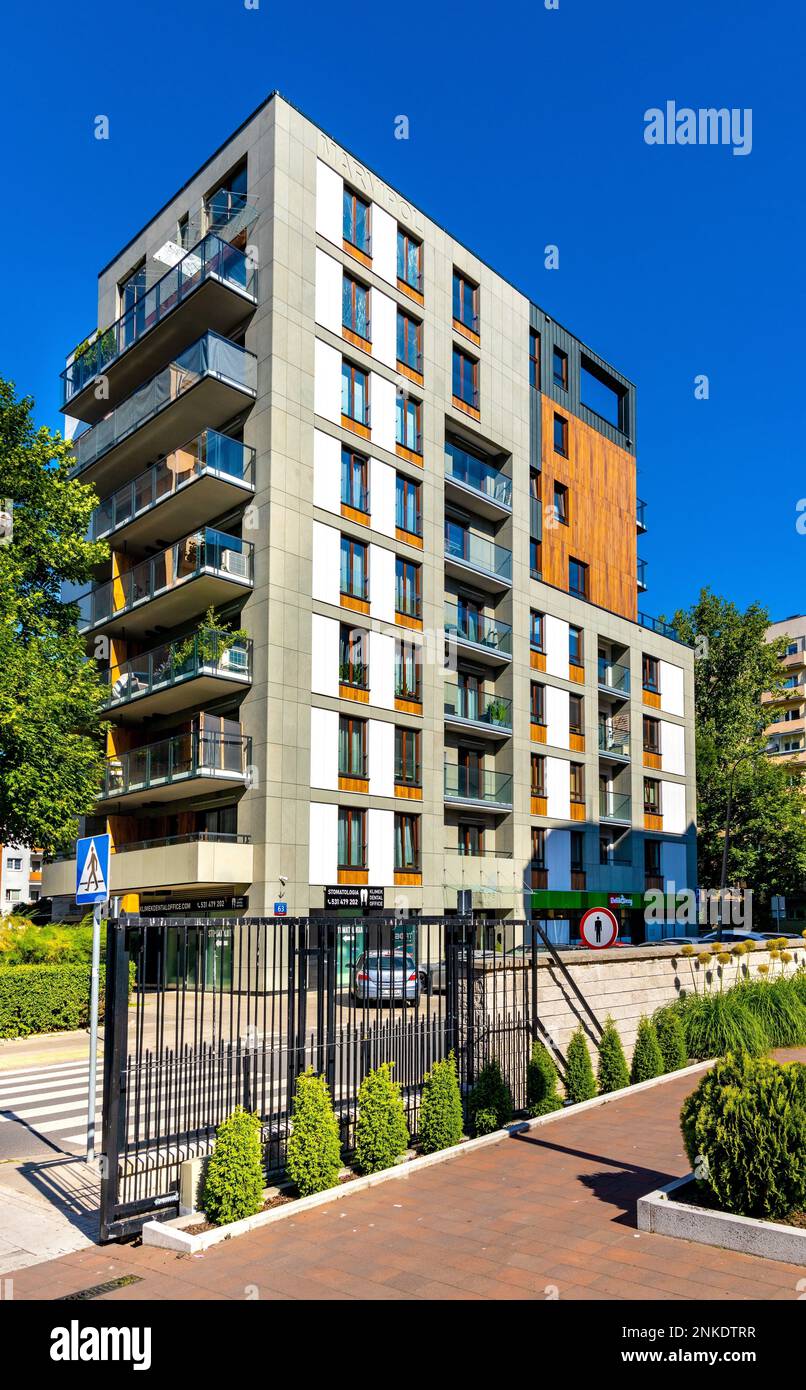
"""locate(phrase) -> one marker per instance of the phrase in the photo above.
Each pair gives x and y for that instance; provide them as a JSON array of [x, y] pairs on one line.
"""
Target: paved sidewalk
[[547, 1214], [47, 1209]]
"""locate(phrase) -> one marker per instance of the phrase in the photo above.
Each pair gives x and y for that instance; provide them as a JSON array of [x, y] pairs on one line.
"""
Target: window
[[535, 558], [354, 489], [576, 777], [576, 722], [353, 663], [652, 805], [409, 260], [559, 368], [36, 866], [408, 432], [407, 843], [355, 307], [407, 588], [12, 895], [651, 734], [534, 358], [352, 838], [601, 394], [354, 393], [538, 847], [465, 301], [465, 378], [228, 199], [578, 578], [561, 503], [537, 703], [538, 785], [561, 435], [407, 506], [131, 292], [354, 578], [575, 655], [352, 747], [357, 220], [409, 342], [470, 839], [652, 858], [650, 673], [577, 852], [407, 757], [12, 863], [408, 668], [536, 629]]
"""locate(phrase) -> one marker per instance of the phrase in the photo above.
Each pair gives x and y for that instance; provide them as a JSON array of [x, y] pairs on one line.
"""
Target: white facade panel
[[382, 399], [381, 753], [672, 747], [557, 731], [673, 866], [556, 639], [327, 382], [671, 688], [558, 858], [382, 496], [325, 580], [382, 583], [327, 299], [324, 655], [384, 244], [381, 847], [326, 472], [329, 203], [558, 789], [325, 748], [382, 670], [673, 807], [323, 858], [384, 328]]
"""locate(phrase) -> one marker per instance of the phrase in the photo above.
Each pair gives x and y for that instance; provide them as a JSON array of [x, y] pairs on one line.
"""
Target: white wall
[[382, 583], [672, 747], [558, 858], [381, 756], [327, 382], [673, 866], [324, 655], [323, 861], [382, 496], [384, 244], [325, 748], [673, 806], [381, 847], [671, 688], [384, 328], [325, 568], [326, 472], [558, 789], [382, 670], [382, 399], [556, 701], [329, 203], [329, 276], [556, 640]]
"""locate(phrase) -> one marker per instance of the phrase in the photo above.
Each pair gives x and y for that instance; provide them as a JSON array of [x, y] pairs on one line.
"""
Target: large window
[[603, 395], [652, 858], [356, 221], [409, 260], [652, 802], [559, 368], [650, 673], [407, 588], [354, 393], [651, 734], [131, 292], [407, 843], [575, 649], [534, 358], [409, 342], [537, 703], [538, 847], [538, 787], [561, 435], [408, 671], [465, 378], [465, 301], [576, 776], [537, 623], [354, 486], [577, 852], [471, 839], [578, 578], [561, 504], [576, 719], [407, 506], [352, 838], [355, 307], [354, 577], [409, 423], [352, 747], [353, 657], [407, 757]]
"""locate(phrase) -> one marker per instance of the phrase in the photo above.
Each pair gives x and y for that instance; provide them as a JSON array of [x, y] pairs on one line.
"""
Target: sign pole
[[92, 889], [94, 981]]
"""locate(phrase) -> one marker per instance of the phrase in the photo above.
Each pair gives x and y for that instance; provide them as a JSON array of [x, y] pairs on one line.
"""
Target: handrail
[[208, 452]]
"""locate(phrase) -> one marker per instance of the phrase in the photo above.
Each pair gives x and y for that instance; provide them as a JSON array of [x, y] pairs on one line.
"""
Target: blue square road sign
[[92, 869]]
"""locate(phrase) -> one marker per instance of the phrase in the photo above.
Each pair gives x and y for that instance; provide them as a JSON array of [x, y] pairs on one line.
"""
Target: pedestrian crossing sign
[[92, 869]]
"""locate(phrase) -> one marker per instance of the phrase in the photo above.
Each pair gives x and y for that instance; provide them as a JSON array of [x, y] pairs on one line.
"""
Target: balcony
[[640, 516], [614, 740], [200, 860], [473, 787], [615, 806], [204, 569], [202, 479], [613, 678], [203, 388], [489, 564], [170, 677], [213, 286], [474, 709], [472, 481], [641, 578], [487, 639], [185, 765], [663, 629]]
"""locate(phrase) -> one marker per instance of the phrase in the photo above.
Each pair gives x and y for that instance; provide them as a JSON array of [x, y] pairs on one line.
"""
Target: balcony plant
[[497, 712], [210, 641]]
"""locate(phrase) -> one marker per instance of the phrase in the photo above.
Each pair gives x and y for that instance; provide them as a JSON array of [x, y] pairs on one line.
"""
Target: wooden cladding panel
[[413, 880], [537, 733], [537, 660], [353, 875], [577, 810], [577, 743], [408, 793], [652, 760], [652, 822], [652, 699], [538, 806], [576, 673], [352, 692]]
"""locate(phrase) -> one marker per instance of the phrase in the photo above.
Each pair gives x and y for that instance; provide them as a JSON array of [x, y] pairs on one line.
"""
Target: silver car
[[386, 975]]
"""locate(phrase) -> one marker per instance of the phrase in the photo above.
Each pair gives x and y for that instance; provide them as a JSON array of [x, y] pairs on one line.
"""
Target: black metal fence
[[227, 1013]]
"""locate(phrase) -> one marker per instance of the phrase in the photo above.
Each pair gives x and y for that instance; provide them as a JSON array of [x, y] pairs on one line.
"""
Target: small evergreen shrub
[[489, 1096], [743, 1129], [441, 1122], [233, 1185], [580, 1083], [647, 1058], [671, 1039], [613, 1072], [381, 1132], [541, 1082], [313, 1158]]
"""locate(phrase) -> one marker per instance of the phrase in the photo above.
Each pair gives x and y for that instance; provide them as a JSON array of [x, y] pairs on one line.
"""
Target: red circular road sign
[[598, 928]]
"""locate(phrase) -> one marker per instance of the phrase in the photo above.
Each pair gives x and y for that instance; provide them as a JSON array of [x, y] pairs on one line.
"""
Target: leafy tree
[[580, 1083], [51, 753], [233, 1187], [614, 1073], [381, 1132], [441, 1121], [647, 1058], [541, 1082]]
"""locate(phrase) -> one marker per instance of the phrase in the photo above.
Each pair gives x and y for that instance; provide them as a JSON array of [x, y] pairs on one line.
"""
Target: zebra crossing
[[51, 1101]]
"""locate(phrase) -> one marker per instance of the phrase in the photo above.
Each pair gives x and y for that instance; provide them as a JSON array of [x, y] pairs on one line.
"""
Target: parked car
[[788, 935], [387, 975], [733, 936], [672, 941]]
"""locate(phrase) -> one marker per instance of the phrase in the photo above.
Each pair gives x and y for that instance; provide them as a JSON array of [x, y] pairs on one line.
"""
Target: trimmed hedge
[[46, 999]]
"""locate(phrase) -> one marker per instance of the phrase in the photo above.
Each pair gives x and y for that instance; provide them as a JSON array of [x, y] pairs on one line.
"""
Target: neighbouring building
[[20, 876], [786, 735], [311, 409]]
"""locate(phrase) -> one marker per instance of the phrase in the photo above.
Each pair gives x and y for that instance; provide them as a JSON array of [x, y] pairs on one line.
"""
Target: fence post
[[116, 1029]]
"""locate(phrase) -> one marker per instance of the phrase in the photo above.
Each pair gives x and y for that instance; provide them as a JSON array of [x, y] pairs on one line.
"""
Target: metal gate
[[203, 1015]]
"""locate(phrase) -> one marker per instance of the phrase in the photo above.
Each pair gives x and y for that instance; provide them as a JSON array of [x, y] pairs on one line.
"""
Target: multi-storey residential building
[[326, 418], [20, 876], [785, 735]]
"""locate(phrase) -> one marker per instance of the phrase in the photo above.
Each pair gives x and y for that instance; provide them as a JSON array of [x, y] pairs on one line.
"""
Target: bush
[[613, 1072], [46, 999], [647, 1058], [440, 1108], [671, 1040], [381, 1132], [580, 1083], [541, 1082], [489, 1097], [23, 942], [233, 1186], [313, 1158], [743, 1129], [779, 1009], [715, 1024]]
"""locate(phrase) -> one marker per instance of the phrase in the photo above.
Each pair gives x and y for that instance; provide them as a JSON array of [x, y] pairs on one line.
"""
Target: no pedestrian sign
[[598, 928]]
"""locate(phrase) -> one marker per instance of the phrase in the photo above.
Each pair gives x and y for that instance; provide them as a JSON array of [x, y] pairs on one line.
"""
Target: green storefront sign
[[544, 899]]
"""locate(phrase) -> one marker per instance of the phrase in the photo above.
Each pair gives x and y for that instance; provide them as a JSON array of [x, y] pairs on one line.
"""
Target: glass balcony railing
[[642, 574], [469, 626], [175, 662], [479, 553], [535, 519], [477, 474], [210, 452], [614, 739], [475, 784], [640, 514], [212, 258], [205, 551], [662, 628], [211, 356], [614, 676], [477, 706], [614, 806], [193, 754]]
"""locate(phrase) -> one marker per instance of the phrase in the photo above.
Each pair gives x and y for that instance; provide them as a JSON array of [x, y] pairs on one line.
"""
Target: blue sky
[[526, 128]]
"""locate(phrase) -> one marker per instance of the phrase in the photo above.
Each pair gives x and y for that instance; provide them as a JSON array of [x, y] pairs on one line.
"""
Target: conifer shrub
[[489, 1105], [647, 1058], [441, 1122], [541, 1082], [613, 1072], [671, 1039], [313, 1158], [381, 1132], [580, 1083], [485, 1122], [233, 1184]]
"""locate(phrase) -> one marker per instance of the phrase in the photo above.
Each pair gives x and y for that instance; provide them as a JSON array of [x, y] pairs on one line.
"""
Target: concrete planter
[[667, 1213]]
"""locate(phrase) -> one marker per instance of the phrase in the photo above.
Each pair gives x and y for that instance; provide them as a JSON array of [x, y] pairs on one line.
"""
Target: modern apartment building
[[20, 876], [323, 417], [786, 734]]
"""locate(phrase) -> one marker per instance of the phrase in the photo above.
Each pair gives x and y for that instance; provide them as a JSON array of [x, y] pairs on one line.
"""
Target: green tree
[[441, 1121], [580, 1083], [671, 1039], [647, 1058], [233, 1186], [614, 1073], [381, 1132], [313, 1157], [541, 1082], [489, 1105], [51, 752]]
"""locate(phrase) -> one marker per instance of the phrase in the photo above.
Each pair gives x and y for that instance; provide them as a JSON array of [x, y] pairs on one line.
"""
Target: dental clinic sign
[[708, 125]]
